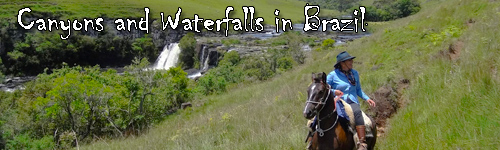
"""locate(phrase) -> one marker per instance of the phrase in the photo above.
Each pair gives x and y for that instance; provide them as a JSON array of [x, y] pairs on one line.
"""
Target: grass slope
[[450, 104], [215, 9]]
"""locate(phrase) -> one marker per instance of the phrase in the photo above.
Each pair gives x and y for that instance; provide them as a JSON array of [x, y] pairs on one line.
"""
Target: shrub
[[285, 63], [258, 68], [231, 58], [211, 84], [327, 43], [24, 141], [88, 103]]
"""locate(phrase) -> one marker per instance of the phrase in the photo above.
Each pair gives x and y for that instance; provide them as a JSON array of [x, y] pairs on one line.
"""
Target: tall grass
[[450, 104]]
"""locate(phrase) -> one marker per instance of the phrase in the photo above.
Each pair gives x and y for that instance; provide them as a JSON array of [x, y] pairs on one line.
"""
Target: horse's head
[[317, 94]]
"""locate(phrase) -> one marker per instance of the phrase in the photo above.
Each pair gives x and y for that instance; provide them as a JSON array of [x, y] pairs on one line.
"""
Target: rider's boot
[[360, 129]]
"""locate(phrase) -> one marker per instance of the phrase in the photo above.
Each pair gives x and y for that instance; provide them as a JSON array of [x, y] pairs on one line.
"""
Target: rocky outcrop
[[208, 55]]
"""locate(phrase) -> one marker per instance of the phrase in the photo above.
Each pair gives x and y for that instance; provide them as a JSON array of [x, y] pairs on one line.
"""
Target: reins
[[322, 102]]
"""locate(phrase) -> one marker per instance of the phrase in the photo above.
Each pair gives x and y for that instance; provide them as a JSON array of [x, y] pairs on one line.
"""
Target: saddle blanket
[[344, 106]]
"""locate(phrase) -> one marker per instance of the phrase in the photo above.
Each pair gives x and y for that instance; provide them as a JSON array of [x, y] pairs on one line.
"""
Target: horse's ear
[[313, 76], [324, 77]]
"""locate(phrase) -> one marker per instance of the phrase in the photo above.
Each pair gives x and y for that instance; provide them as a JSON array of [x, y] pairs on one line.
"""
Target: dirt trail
[[388, 99]]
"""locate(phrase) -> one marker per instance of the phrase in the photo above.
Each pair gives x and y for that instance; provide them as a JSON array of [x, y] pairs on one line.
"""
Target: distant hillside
[[289, 9]]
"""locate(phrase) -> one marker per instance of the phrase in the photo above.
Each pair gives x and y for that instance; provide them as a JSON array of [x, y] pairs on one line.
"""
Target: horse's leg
[[344, 138]]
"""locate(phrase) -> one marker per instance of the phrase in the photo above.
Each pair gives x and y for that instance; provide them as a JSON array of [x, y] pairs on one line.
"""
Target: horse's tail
[[370, 141]]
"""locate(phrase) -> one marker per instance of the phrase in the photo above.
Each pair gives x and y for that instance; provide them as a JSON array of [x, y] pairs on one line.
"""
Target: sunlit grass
[[450, 104]]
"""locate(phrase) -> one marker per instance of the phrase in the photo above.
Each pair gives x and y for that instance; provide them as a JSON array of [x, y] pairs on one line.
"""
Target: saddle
[[346, 112]]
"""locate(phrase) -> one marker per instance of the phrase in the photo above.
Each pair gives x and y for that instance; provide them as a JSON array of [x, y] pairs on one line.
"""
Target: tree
[[145, 47], [385, 10], [406, 7], [188, 48]]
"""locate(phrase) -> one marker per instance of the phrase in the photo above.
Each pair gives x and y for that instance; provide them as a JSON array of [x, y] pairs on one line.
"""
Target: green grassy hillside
[[448, 51], [289, 9]]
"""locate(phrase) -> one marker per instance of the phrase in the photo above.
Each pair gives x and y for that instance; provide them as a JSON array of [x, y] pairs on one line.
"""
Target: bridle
[[322, 102]]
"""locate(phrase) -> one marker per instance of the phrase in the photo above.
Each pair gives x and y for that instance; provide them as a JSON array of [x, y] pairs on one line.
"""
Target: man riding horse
[[345, 79]]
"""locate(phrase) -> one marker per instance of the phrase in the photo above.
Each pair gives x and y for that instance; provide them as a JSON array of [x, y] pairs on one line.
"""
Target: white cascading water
[[168, 57], [195, 75], [205, 64], [204, 67]]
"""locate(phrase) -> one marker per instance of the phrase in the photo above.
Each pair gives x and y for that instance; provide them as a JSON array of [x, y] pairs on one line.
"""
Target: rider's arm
[[335, 82], [358, 87]]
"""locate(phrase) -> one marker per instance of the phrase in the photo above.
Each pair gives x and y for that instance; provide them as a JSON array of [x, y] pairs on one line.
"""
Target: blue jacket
[[339, 81]]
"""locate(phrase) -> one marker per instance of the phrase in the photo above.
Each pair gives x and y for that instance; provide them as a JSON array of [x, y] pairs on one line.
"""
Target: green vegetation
[[29, 52], [451, 102], [188, 57], [340, 5], [327, 43], [229, 42], [376, 10], [40, 50], [233, 70], [144, 48], [385, 10], [79, 104], [449, 55]]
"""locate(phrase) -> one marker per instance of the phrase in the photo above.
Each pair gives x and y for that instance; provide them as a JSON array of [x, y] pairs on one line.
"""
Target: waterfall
[[168, 57], [202, 56], [204, 59], [205, 64]]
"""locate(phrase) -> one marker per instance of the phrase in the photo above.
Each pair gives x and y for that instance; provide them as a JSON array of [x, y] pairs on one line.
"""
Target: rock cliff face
[[160, 37], [208, 55]]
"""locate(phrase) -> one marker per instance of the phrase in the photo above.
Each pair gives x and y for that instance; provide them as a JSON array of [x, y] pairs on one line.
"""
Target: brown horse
[[332, 131]]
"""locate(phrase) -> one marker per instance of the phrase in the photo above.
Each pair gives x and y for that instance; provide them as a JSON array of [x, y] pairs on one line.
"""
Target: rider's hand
[[339, 93], [336, 99], [371, 102]]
